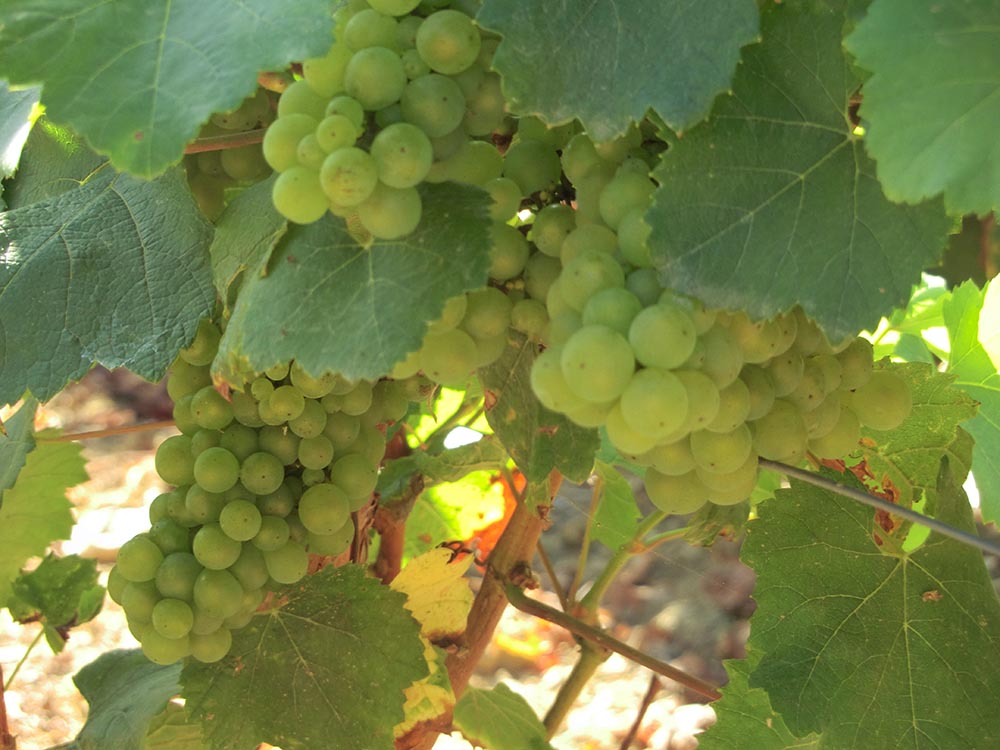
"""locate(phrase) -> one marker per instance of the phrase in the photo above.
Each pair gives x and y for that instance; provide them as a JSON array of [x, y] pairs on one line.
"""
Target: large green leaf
[[35, 510], [329, 663], [334, 305], [932, 104], [616, 518], [16, 444], [15, 124], [608, 62], [773, 202], [537, 439], [500, 719], [871, 649], [172, 729], [126, 692], [977, 376], [137, 80], [114, 271]]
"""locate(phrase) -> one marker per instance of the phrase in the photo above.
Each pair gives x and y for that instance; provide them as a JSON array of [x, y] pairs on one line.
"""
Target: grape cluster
[[211, 173], [696, 395], [261, 482]]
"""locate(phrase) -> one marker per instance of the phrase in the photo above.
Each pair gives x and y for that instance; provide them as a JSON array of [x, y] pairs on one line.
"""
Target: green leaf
[[598, 61], [932, 103], [774, 203], [115, 271], [374, 303], [35, 510], [868, 648], [172, 729], [60, 592], [616, 519], [122, 74], [245, 236], [500, 719], [331, 662], [16, 108], [16, 444], [486, 454], [978, 377], [909, 455], [125, 692], [745, 718]]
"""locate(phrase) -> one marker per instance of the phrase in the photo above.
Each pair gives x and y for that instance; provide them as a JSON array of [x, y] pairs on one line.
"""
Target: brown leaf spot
[[138, 135], [932, 596], [490, 399]]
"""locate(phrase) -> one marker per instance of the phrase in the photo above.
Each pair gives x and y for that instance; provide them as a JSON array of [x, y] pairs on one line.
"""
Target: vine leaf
[[125, 691], [964, 315], [597, 58], [845, 627], [537, 439], [16, 107], [35, 510], [114, 271], [486, 454], [121, 74], [172, 729], [746, 719], [373, 303], [16, 443], [933, 101], [500, 719], [331, 659], [774, 203], [616, 518], [908, 456]]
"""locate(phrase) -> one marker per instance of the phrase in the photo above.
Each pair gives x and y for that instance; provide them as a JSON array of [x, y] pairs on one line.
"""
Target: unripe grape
[[370, 28], [675, 494], [216, 469], [375, 77], [298, 195], [138, 559], [448, 41], [841, 440], [390, 213], [623, 437], [435, 104], [721, 452], [533, 165], [662, 336], [856, 364], [281, 141], [780, 433], [597, 363], [673, 459], [551, 227], [884, 402], [654, 403]]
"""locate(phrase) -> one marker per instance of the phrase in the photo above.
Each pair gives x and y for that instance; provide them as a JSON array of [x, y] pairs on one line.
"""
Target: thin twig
[[647, 701], [884, 505], [24, 658], [108, 432], [551, 571], [7, 740], [667, 536], [534, 607], [222, 142]]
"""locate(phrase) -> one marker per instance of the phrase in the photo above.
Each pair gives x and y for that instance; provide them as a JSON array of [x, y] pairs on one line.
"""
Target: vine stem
[[222, 142], [24, 658], [108, 432], [553, 578], [581, 563], [7, 740], [647, 701], [884, 505], [591, 658]]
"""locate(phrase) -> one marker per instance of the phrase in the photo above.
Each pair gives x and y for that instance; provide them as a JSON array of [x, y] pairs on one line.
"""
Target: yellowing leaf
[[437, 593], [429, 698]]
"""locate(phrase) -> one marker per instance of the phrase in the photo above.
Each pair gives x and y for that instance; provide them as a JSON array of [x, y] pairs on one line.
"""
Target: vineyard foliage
[[407, 265]]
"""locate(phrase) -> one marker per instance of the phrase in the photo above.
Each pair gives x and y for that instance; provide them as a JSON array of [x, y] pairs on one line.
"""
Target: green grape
[[590, 415], [158, 508], [213, 548], [349, 107], [273, 534], [116, 584], [394, 7], [217, 593], [216, 469], [369, 28], [211, 647], [654, 403], [681, 494], [262, 473], [209, 194], [626, 191], [539, 273], [390, 213], [210, 410], [300, 99], [506, 197], [841, 440], [288, 564], [169, 536], [468, 80], [310, 422], [555, 300], [533, 165], [487, 313], [673, 459], [176, 575], [375, 77], [174, 461], [138, 559], [644, 284], [614, 307], [856, 364], [451, 315], [758, 383], [704, 319], [549, 385], [177, 509], [240, 520], [732, 487], [341, 429], [588, 238], [391, 401], [662, 336], [448, 41], [785, 372], [349, 176], [203, 440], [298, 196], [287, 402], [414, 65], [760, 341], [335, 132], [183, 419], [475, 163], [358, 400], [597, 363], [532, 127], [721, 452], [244, 164], [138, 600], [355, 475], [281, 141], [325, 75], [578, 157], [172, 618], [250, 569], [811, 390], [704, 400], [239, 440], [434, 104], [448, 358], [781, 433], [486, 109], [831, 368], [210, 163], [823, 418], [884, 402], [281, 443], [315, 452], [312, 387], [324, 508], [489, 350], [588, 193], [245, 409], [529, 316], [402, 154], [633, 236], [734, 407], [588, 274], [202, 350], [203, 624], [626, 440], [551, 227], [281, 502], [161, 650], [332, 544], [788, 328], [723, 356]]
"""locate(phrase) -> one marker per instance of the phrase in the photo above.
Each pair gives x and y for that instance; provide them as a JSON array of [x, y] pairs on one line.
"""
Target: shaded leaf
[[115, 271], [331, 659], [16, 444], [121, 74], [774, 203], [500, 719], [171, 729], [933, 101], [616, 519], [597, 59], [322, 287]]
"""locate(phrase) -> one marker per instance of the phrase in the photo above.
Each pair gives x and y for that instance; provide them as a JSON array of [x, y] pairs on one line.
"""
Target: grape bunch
[[695, 395], [261, 481]]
